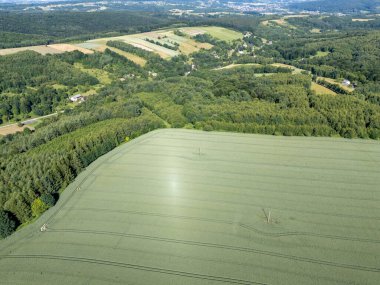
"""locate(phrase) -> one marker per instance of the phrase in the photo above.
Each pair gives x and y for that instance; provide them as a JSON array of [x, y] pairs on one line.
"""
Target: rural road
[[12, 128]]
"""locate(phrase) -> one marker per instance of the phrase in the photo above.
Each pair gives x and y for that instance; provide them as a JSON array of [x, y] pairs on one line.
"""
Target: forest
[[261, 83]]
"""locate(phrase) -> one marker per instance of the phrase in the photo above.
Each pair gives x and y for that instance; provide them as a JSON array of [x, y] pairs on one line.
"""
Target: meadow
[[192, 207]]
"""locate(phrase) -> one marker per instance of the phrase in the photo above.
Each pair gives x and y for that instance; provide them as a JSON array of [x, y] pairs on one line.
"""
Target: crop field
[[191, 207], [49, 49], [186, 44], [217, 32]]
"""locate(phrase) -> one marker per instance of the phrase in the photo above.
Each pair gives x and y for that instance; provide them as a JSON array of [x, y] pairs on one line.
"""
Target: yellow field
[[321, 90], [234, 65], [362, 20], [132, 57], [191, 46], [48, 49], [315, 31]]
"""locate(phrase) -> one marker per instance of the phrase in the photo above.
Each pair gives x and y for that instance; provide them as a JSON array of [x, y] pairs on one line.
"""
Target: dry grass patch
[[321, 90], [70, 48], [11, 129], [132, 57], [362, 20]]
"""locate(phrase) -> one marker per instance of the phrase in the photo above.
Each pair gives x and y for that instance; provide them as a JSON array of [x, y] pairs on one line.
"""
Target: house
[[77, 98], [153, 74], [346, 82]]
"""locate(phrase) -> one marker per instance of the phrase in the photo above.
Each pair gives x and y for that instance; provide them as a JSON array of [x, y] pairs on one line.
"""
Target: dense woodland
[[185, 92]]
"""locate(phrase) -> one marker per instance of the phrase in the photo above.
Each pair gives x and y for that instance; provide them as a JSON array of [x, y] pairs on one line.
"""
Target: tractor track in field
[[242, 225], [225, 247], [306, 179], [220, 201], [136, 267], [253, 190]]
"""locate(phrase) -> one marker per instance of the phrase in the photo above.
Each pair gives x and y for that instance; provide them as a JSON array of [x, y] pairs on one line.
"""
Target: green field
[[191, 207], [217, 32]]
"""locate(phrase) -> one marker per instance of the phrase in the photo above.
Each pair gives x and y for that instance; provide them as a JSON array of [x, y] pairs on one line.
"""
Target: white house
[[346, 82], [77, 98]]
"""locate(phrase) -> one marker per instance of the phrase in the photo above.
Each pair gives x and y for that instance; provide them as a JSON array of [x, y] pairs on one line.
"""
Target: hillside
[[190, 207], [341, 6]]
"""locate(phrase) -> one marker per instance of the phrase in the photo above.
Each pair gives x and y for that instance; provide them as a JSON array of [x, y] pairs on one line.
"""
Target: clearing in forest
[[321, 90], [189, 207]]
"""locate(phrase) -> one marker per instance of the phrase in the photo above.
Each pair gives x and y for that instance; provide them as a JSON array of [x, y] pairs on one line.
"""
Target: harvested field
[[50, 49], [40, 49], [69, 48], [11, 129], [132, 57], [315, 31], [362, 20], [191, 207], [235, 65]]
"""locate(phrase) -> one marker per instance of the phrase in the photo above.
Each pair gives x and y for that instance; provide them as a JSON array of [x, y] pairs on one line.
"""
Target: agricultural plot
[[217, 32], [186, 45], [190, 207], [49, 49]]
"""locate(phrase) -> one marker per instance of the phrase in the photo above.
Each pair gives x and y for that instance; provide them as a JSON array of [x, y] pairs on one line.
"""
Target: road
[[13, 128]]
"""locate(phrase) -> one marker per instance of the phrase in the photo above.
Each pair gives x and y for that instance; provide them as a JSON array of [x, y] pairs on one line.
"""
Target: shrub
[[38, 207], [7, 224], [48, 199]]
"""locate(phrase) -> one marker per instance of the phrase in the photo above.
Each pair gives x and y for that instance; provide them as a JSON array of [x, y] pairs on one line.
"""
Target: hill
[[190, 207], [342, 6]]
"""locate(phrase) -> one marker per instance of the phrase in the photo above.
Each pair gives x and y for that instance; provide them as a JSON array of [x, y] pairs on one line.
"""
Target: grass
[[191, 207], [222, 33], [322, 54], [321, 90], [295, 69], [101, 75]]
